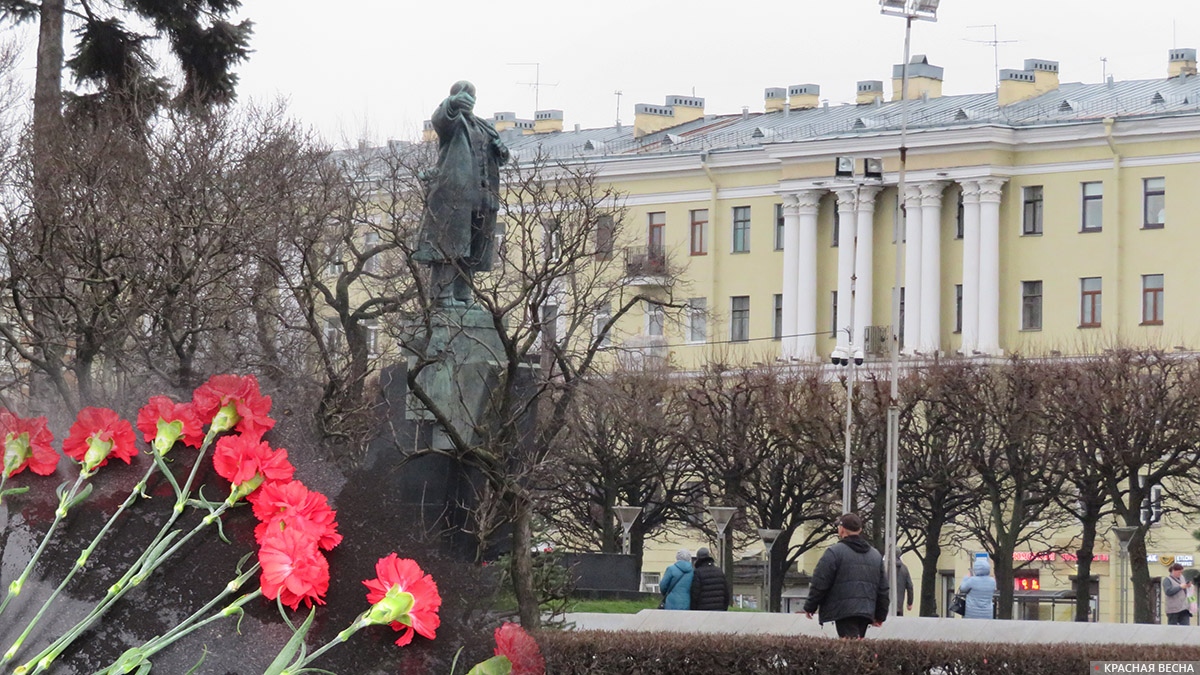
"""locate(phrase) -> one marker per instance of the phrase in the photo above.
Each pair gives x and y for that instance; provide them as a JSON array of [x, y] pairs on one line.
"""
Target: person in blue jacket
[[979, 589], [676, 583]]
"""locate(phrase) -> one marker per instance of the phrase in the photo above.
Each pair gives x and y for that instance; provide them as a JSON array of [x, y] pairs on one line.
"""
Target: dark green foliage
[[620, 653]]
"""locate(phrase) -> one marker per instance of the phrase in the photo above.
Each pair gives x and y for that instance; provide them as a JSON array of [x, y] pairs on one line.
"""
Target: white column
[[970, 267], [806, 206], [791, 282], [912, 268], [864, 263], [931, 267], [846, 207], [990, 190]]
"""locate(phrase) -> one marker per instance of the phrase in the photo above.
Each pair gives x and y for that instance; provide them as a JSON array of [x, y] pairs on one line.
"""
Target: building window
[[697, 319], [655, 318], [958, 223], [370, 241], [833, 327], [741, 229], [777, 318], [606, 231], [332, 334], [1031, 305], [371, 328], [549, 325], [837, 224], [655, 238], [1093, 207], [551, 239], [599, 322], [739, 318], [1152, 299], [779, 227], [1031, 220], [1089, 302], [498, 249], [1154, 202], [699, 224], [958, 308]]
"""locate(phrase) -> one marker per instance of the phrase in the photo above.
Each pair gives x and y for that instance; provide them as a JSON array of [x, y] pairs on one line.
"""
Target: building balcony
[[645, 265]]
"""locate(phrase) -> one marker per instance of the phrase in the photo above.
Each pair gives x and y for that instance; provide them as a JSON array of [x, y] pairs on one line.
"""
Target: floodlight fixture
[[873, 168], [921, 10], [844, 168]]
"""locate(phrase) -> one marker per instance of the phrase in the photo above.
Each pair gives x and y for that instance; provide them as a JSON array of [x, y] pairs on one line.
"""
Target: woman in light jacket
[[979, 589], [676, 583]]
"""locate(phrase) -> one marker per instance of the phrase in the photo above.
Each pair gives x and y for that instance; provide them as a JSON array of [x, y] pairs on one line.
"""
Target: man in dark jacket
[[849, 586], [710, 589]]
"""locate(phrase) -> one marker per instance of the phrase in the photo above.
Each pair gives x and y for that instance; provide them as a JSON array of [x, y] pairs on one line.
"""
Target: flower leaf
[[497, 665], [14, 491], [293, 647], [83, 494]]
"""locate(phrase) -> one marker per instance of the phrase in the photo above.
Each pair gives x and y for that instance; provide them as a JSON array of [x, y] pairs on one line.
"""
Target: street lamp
[[921, 10], [721, 516], [768, 539], [627, 515], [1124, 534]]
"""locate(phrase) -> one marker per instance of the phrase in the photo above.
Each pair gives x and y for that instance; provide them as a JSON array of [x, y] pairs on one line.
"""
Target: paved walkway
[[897, 628]]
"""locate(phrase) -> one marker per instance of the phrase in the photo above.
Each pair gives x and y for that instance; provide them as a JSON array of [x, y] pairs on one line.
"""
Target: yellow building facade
[[1044, 218]]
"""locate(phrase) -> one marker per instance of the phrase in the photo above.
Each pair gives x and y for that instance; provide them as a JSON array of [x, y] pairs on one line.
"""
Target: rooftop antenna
[[617, 93], [995, 43], [537, 83], [1104, 69]]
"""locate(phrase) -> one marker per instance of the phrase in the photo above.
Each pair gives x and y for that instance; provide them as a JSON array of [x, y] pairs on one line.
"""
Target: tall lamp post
[[628, 515], [769, 537], [721, 516], [1124, 534], [910, 10], [852, 356]]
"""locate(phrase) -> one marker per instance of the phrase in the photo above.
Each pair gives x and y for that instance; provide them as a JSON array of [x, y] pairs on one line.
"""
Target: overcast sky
[[377, 68]]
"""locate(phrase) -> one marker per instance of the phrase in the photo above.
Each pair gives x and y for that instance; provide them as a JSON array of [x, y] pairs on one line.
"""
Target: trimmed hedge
[[626, 653]]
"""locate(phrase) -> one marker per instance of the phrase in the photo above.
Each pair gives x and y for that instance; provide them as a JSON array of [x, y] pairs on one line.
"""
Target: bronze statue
[[458, 230]]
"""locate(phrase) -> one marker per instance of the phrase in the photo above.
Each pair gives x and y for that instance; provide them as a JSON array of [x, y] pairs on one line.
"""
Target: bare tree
[[1136, 415], [1000, 417]]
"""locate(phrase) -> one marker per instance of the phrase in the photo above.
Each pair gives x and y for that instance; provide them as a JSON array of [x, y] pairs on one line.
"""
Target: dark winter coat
[[849, 581], [710, 590]]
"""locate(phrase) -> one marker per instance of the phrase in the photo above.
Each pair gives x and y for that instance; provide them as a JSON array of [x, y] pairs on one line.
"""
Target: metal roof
[[1069, 104]]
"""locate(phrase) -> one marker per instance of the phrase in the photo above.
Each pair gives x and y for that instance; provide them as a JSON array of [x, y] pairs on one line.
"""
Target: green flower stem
[[64, 500], [139, 570], [136, 656], [361, 622], [138, 489]]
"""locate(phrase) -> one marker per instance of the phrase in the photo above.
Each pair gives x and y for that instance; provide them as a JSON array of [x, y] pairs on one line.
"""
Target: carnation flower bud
[[394, 607]]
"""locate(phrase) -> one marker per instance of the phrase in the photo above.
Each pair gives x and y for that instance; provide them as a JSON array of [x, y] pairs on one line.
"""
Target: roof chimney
[[869, 91], [1183, 63], [804, 96], [547, 121], [648, 119], [1045, 74], [923, 78], [775, 98], [1016, 86], [427, 132]]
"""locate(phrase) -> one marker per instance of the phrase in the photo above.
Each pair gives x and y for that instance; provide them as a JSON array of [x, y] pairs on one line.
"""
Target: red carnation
[[96, 435], [27, 442], [293, 570], [521, 649], [248, 461], [157, 420], [292, 506], [397, 577], [238, 398]]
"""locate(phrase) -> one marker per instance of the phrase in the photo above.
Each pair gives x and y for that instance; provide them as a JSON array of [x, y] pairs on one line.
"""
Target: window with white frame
[[1093, 207], [370, 241], [697, 319], [739, 318], [1154, 202], [599, 320], [655, 318], [1031, 305]]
